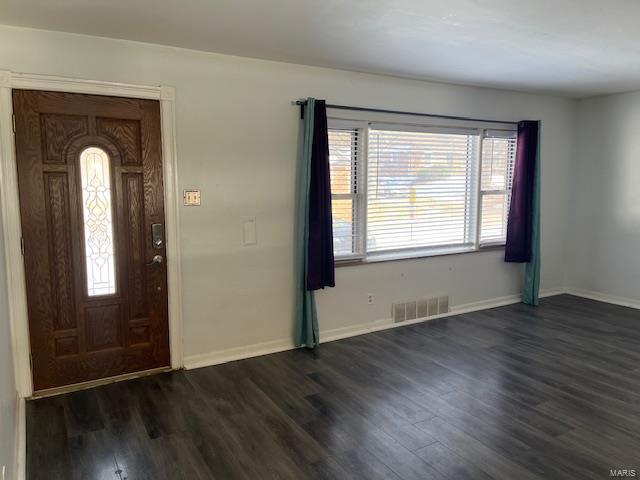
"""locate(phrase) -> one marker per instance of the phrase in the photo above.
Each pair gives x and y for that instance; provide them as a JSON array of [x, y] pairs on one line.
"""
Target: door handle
[[155, 259]]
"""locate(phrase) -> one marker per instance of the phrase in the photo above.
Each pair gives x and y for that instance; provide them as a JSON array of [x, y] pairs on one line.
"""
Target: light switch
[[192, 198], [249, 236]]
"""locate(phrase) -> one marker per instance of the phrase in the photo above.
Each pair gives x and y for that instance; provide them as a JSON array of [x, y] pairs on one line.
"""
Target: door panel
[[90, 180]]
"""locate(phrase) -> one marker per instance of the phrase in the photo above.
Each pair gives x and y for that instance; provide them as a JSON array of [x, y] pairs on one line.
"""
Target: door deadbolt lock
[[157, 235]]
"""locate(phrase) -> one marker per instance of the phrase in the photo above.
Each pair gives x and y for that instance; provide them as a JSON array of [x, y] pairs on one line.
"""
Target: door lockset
[[155, 259], [157, 236]]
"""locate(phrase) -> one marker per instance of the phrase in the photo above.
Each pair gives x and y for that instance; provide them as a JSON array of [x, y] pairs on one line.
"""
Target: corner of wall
[[569, 222]]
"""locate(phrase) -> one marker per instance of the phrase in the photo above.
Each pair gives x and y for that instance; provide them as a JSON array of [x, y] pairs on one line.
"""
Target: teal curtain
[[306, 318], [531, 283]]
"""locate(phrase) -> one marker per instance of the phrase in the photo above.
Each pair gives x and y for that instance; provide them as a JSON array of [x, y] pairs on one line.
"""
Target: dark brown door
[[90, 179]]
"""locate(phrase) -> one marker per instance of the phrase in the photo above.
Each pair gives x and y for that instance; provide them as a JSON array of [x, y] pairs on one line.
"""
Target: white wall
[[237, 141], [8, 396], [605, 197]]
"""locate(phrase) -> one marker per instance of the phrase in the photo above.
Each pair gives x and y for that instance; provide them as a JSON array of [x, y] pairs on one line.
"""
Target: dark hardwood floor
[[513, 393]]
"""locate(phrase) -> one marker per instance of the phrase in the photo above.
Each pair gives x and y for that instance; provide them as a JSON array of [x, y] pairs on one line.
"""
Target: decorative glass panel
[[98, 221]]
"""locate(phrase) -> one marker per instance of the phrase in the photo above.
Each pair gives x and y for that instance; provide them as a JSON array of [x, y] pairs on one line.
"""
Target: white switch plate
[[191, 198], [249, 234]]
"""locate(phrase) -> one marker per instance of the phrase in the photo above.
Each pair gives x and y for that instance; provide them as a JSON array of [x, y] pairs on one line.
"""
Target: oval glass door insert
[[98, 221]]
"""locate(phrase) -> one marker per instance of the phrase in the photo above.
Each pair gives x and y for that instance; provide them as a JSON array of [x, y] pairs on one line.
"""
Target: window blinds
[[400, 188], [419, 189], [498, 158], [344, 145]]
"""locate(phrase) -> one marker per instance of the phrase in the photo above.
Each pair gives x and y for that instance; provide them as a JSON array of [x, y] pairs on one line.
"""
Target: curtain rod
[[302, 103]]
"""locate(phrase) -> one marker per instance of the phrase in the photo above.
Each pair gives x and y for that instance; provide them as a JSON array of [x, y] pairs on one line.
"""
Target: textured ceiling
[[570, 47]]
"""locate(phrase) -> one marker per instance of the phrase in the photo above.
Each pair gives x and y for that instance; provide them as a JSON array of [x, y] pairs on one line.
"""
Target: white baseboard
[[20, 462], [603, 297], [265, 348], [239, 353]]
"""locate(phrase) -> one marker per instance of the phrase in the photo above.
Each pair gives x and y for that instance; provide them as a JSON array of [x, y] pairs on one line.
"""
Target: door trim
[[10, 211]]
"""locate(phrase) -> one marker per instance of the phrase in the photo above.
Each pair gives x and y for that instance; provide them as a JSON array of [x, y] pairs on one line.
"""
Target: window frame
[[358, 187], [360, 178], [482, 193]]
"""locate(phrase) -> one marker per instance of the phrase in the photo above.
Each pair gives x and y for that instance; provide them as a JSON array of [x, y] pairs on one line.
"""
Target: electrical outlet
[[370, 298]]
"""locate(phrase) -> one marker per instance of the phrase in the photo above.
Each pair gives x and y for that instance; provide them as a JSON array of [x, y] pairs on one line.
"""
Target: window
[[498, 157], [98, 224], [406, 190], [344, 151], [418, 189]]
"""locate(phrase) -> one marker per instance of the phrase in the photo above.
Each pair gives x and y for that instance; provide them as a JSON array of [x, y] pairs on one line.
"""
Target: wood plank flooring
[[515, 393]]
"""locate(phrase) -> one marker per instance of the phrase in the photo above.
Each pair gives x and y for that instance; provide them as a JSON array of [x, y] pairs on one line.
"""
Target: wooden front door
[[90, 180]]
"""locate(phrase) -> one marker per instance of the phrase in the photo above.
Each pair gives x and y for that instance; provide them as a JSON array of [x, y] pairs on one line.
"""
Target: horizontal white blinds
[[498, 158], [419, 189], [345, 198], [406, 187]]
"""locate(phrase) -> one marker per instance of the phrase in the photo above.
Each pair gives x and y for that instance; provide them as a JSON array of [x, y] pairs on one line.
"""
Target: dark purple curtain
[[320, 264], [520, 220]]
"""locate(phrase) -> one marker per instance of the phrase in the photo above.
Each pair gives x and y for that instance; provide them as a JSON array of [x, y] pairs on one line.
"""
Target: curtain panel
[[314, 231], [523, 224]]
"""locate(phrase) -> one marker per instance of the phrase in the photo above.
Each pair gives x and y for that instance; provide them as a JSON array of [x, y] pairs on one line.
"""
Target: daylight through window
[[402, 191]]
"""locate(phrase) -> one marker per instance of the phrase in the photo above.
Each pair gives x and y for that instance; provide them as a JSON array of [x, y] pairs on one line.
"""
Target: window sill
[[414, 255]]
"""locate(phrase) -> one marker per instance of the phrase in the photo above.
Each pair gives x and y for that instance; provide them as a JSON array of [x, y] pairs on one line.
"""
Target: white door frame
[[10, 206]]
